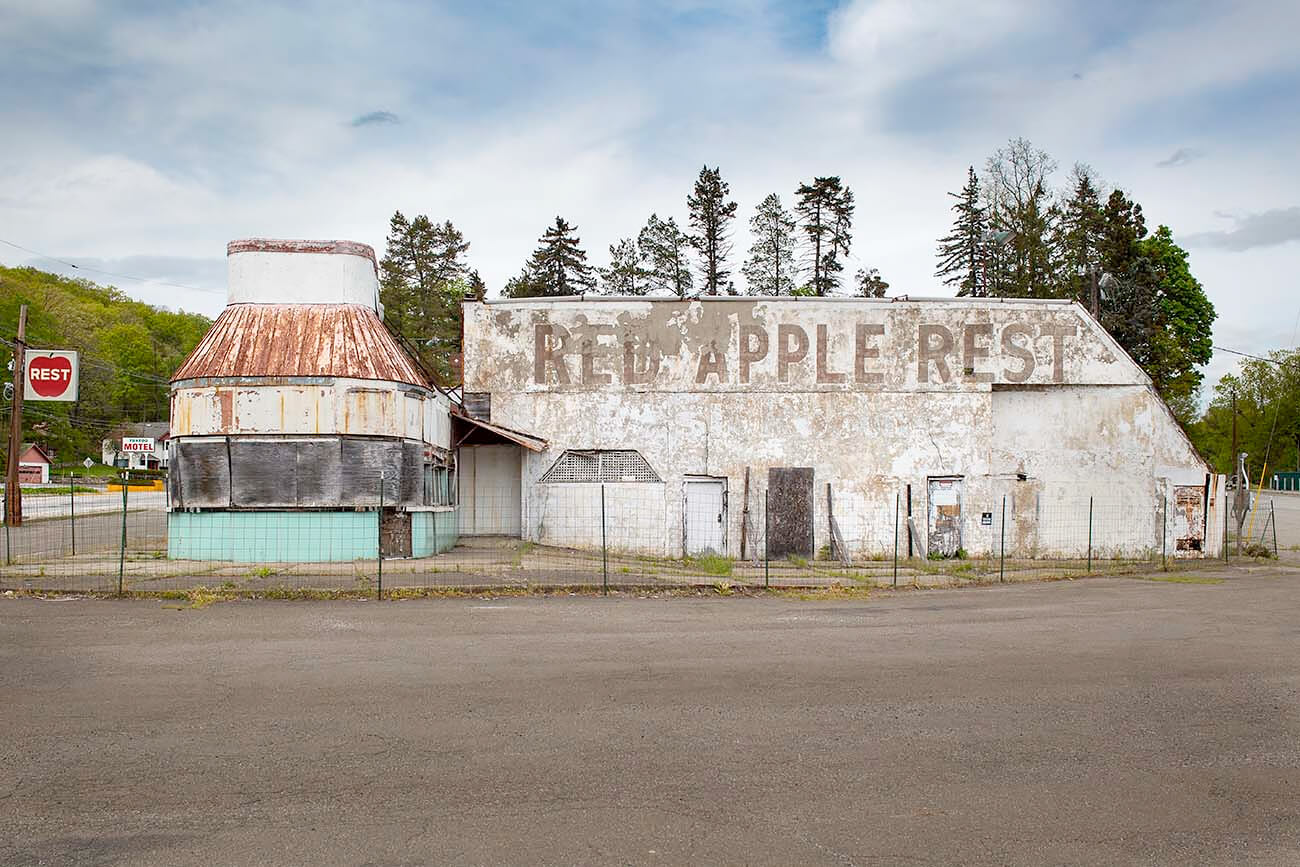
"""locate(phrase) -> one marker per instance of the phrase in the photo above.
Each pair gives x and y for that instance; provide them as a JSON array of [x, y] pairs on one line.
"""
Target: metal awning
[[469, 431]]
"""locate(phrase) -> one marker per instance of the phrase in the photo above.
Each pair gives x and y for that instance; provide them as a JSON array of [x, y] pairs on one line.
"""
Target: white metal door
[[706, 516]]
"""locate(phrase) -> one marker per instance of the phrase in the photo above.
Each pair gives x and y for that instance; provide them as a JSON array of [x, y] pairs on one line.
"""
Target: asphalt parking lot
[[1097, 721]]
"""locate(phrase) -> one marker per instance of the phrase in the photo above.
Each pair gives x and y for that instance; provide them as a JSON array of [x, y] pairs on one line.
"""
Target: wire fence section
[[600, 536]]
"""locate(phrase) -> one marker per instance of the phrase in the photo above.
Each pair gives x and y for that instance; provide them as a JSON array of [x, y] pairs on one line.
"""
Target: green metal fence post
[[897, 500], [1090, 534], [604, 546], [379, 540], [6, 520], [1002, 546], [121, 554], [72, 509]]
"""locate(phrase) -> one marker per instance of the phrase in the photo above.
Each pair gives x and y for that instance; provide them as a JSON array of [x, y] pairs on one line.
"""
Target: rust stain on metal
[[335, 340], [277, 245]]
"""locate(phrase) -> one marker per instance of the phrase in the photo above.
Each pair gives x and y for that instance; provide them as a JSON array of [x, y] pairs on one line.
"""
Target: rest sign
[[137, 444], [50, 374]]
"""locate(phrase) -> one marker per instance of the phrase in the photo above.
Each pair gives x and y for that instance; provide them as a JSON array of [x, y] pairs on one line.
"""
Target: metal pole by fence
[[6, 519], [1002, 546], [72, 509], [1225, 528], [1090, 534], [1164, 533], [897, 501], [379, 540], [121, 555], [767, 526], [1272, 516], [604, 546]]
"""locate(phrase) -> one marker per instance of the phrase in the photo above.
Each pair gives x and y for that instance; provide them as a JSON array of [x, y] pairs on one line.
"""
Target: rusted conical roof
[[288, 340]]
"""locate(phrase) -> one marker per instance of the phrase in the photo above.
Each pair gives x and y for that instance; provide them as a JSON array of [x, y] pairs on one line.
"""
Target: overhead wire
[[74, 265]]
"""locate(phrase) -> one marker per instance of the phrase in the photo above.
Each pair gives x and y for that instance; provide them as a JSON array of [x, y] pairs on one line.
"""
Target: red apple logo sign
[[51, 376]]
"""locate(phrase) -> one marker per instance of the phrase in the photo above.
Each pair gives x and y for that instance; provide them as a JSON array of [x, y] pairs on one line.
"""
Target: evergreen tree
[[624, 276], [422, 285], [869, 283], [477, 288], [961, 252], [1078, 243], [826, 209], [770, 269], [558, 266], [710, 216], [663, 248]]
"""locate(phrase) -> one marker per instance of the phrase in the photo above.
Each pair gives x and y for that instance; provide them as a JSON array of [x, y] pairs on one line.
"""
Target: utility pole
[[14, 498]]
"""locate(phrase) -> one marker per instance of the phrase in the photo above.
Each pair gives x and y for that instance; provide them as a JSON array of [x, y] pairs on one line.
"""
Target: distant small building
[[112, 454], [33, 465]]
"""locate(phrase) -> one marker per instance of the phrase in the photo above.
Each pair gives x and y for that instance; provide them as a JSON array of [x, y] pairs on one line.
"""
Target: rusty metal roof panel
[[288, 340]]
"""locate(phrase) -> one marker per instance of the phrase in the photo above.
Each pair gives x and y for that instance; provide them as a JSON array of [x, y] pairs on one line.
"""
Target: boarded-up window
[[612, 465]]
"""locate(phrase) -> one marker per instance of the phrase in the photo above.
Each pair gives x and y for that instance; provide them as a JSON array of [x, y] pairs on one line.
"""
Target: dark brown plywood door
[[790, 512]]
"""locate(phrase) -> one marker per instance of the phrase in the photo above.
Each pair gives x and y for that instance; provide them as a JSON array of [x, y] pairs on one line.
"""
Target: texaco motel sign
[[51, 374]]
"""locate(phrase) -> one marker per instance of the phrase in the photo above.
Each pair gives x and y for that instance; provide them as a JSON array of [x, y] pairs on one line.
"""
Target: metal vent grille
[[614, 465]]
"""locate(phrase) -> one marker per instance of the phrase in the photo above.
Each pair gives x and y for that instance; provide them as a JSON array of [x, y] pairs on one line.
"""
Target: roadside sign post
[[72, 509]]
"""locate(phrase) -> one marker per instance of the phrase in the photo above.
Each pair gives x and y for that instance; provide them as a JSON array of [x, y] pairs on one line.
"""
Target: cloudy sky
[[139, 137]]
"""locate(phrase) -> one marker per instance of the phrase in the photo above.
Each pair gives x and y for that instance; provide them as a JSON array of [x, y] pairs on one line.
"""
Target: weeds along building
[[294, 408], [687, 417]]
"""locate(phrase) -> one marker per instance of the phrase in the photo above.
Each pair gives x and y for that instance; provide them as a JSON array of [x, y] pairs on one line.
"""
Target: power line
[[1246, 355], [107, 273]]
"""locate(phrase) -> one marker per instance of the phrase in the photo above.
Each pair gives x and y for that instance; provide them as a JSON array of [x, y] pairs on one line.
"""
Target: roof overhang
[[469, 431]]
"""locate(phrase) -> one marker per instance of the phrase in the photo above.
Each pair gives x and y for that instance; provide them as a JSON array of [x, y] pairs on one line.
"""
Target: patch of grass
[[711, 564], [261, 572], [1257, 550], [722, 588], [797, 561], [1181, 579]]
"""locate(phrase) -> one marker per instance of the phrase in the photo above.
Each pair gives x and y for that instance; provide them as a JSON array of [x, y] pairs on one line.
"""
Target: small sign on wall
[[986, 519]]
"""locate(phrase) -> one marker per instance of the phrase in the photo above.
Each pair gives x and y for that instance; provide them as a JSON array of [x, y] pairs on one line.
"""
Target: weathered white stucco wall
[[283, 276], [1029, 401]]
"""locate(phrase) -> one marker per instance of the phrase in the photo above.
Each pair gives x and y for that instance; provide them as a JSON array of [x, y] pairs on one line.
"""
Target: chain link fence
[[125, 539]]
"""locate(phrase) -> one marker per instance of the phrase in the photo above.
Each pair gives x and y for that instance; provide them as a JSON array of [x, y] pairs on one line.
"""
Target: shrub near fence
[[130, 542]]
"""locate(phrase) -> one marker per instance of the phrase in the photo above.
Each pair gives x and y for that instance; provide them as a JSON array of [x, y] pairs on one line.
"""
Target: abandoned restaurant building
[[667, 427], [806, 424]]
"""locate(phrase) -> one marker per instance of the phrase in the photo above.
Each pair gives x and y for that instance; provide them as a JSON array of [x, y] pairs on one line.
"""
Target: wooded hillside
[[128, 351]]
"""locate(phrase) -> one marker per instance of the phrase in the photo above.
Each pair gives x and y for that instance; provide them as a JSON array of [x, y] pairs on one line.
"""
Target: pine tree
[[422, 284], [770, 269], [710, 216], [961, 252], [663, 248], [1078, 243], [557, 267], [869, 283], [477, 288], [826, 209], [624, 276]]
